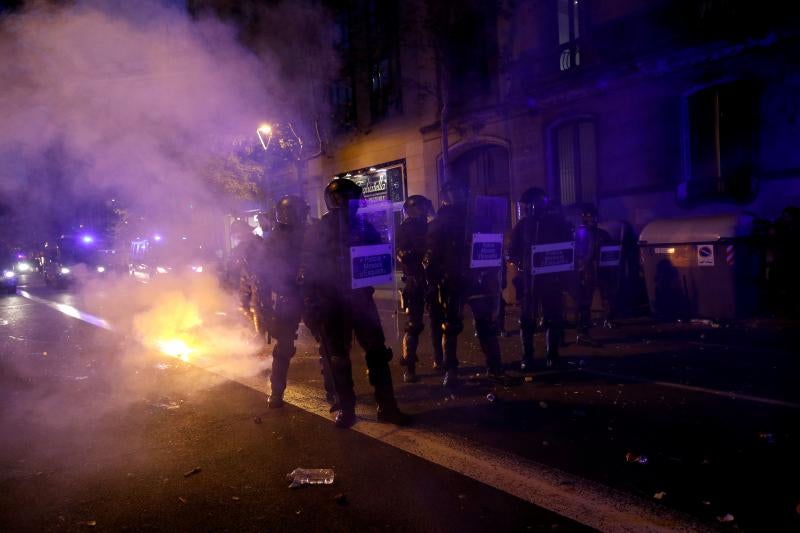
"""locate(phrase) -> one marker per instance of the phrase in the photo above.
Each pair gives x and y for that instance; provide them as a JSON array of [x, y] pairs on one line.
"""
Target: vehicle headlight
[[197, 269], [65, 270], [101, 269], [8, 274], [161, 270], [23, 266]]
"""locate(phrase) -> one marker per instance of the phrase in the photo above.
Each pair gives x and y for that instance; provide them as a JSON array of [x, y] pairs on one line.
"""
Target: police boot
[[281, 355], [552, 343], [409, 358], [327, 382], [450, 344], [526, 337], [494, 363], [342, 373], [438, 348], [380, 377]]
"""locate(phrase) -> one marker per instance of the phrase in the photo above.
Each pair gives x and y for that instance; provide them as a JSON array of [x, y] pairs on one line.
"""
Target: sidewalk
[[694, 417]]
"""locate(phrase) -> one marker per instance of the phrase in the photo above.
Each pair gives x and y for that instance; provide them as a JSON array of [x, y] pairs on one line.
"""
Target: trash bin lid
[[697, 229]]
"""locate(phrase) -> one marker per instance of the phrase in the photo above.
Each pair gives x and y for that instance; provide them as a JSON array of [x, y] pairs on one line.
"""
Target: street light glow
[[265, 129]]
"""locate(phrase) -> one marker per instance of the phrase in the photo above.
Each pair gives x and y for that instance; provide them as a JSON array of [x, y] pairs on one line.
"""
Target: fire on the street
[[177, 348]]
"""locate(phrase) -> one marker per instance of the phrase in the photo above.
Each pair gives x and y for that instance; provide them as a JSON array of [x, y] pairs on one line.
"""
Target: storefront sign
[[610, 256], [487, 250], [705, 255], [371, 265], [550, 258]]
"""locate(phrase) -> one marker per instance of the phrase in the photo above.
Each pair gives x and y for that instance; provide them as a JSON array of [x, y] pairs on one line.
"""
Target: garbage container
[[702, 267]]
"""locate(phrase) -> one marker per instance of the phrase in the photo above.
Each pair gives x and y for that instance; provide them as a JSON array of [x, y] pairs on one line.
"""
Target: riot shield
[[487, 221], [371, 244]]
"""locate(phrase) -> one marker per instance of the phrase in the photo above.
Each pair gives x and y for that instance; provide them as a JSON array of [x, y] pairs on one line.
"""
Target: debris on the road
[[528, 379], [727, 517], [659, 495], [543, 405], [631, 457], [341, 499], [235, 498], [310, 476], [182, 499], [257, 419], [90, 523], [193, 471]]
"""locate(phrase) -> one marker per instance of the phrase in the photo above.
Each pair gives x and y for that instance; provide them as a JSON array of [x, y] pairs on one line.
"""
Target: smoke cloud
[[133, 99]]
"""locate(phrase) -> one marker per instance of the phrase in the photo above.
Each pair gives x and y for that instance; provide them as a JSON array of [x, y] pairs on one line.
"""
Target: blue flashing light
[[157, 237], [87, 239]]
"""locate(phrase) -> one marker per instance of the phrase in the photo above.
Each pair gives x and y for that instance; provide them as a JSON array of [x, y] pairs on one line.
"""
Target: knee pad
[[379, 356], [414, 328], [452, 328]]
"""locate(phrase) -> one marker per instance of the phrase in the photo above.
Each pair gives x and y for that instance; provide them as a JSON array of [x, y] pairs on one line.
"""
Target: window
[[575, 162], [720, 143], [569, 32], [384, 57]]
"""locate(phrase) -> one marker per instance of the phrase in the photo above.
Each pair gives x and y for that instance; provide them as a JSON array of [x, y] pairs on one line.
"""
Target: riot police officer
[[589, 238], [283, 304], [539, 224], [410, 252], [247, 263], [447, 269], [342, 311]]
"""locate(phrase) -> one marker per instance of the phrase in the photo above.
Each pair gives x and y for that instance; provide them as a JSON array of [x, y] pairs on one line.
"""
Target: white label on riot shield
[[486, 250], [705, 255], [551, 258], [610, 256], [371, 265]]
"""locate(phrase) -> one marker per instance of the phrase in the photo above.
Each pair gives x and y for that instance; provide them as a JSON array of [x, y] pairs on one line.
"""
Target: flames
[[177, 348]]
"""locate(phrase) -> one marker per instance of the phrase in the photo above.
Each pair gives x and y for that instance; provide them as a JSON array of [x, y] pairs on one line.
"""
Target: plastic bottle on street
[[310, 476]]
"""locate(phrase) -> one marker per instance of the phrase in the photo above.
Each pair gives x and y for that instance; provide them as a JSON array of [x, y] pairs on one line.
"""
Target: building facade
[[649, 110]]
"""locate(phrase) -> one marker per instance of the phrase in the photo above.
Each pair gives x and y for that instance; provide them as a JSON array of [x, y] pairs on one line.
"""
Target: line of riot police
[[448, 261]]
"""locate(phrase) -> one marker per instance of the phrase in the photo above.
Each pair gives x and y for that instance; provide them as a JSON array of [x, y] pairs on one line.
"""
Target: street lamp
[[265, 129]]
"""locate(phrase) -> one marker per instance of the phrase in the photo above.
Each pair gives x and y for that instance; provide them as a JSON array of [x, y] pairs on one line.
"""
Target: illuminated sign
[[371, 265], [551, 258], [487, 250]]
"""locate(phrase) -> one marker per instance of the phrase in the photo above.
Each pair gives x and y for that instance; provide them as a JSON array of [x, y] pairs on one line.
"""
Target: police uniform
[[343, 312], [415, 294], [589, 239], [447, 265], [544, 225]]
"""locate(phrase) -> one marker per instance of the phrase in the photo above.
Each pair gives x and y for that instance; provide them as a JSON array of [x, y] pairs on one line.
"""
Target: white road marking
[[694, 388]]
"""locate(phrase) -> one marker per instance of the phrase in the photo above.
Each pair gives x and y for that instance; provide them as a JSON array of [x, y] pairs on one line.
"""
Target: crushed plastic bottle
[[310, 476]]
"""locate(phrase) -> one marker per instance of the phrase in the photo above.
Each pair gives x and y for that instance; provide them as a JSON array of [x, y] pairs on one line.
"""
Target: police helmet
[[455, 192], [417, 206], [532, 200], [340, 191], [291, 211]]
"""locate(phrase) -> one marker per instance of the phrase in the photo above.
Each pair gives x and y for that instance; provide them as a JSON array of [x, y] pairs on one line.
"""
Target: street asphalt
[[686, 425]]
